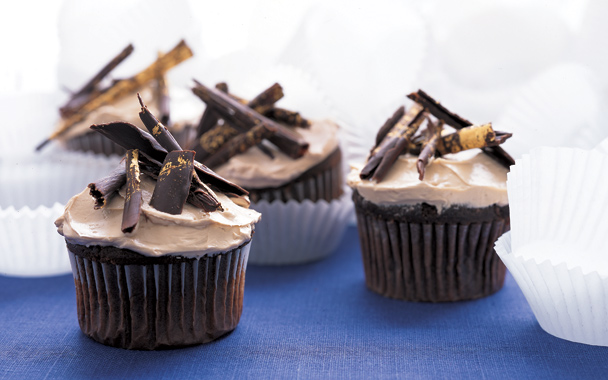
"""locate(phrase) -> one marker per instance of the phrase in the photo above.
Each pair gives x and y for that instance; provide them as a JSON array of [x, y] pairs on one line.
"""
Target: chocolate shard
[[244, 117], [105, 188], [157, 129], [389, 124], [404, 129], [78, 98], [133, 196], [173, 184], [438, 110], [123, 88], [428, 150], [284, 116], [130, 137], [239, 144], [210, 116]]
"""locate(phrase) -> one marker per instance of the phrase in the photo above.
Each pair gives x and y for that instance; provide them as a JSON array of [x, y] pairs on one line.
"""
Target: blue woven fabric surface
[[302, 322]]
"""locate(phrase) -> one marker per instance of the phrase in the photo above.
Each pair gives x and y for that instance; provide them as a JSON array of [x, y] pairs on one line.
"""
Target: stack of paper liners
[[558, 198]]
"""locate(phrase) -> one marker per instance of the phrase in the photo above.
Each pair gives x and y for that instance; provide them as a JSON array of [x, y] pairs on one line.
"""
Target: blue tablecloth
[[302, 322]]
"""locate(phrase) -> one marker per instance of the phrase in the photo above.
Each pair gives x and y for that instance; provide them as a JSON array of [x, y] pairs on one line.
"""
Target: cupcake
[[292, 168], [96, 102], [430, 203], [159, 247]]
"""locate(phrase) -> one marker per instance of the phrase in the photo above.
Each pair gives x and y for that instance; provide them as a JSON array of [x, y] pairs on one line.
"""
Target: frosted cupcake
[[290, 166], [430, 204], [98, 103], [159, 247]]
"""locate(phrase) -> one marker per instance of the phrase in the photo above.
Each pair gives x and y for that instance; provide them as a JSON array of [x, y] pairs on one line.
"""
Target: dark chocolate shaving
[[404, 129], [130, 137], [428, 150], [245, 118], [173, 184], [266, 100], [157, 129], [239, 144], [283, 116], [133, 195], [209, 176], [78, 98], [104, 189], [389, 124]]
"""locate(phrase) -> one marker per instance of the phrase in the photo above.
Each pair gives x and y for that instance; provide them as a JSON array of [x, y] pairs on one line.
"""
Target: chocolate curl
[[478, 136], [130, 137], [210, 117], [133, 196], [266, 100], [104, 189], [173, 184], [452, 119], [428, 150], [124, 87], [291, 118], [404, 129], [223, 185], [157, 129], [79, 98], [245, 118], [389, 124], [239, 144]]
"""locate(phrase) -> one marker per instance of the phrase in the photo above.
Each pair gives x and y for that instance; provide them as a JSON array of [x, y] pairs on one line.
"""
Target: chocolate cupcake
[[292, 168], [97, 102], [158, 251], [430, 203]]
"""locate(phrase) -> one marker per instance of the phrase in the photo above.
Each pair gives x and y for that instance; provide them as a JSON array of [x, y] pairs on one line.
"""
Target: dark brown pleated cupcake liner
[[323, 182], [430, 262], [152, 306]]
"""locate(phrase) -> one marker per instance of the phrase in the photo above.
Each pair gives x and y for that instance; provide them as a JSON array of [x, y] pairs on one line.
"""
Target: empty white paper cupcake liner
[[30, 244], [295, 233], [567, 303], [33, 192], [558, 199]]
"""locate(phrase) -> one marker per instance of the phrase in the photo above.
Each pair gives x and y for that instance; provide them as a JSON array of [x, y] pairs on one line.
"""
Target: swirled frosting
[[193, 233], [470, 178], [255, 170]]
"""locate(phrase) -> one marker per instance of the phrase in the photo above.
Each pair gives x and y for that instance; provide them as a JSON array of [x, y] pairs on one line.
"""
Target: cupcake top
[[461, 165], [192, 233], [257, 144], [159, 201]]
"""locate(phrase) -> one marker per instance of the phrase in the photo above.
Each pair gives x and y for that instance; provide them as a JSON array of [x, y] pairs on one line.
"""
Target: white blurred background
[[535, 68]]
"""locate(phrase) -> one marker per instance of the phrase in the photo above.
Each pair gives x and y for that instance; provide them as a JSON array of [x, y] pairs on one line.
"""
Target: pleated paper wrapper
[[152, 306], [33, 192], [556, 247], [299, 232]]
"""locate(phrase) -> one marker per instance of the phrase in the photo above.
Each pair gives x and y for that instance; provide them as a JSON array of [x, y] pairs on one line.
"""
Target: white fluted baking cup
[[296, 233], [558, 198], [29, 242], [33, 192]]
